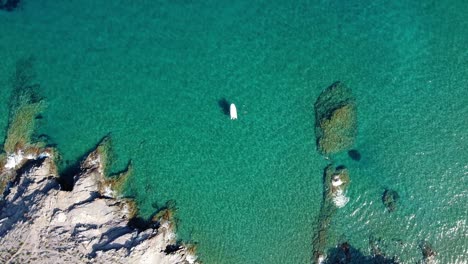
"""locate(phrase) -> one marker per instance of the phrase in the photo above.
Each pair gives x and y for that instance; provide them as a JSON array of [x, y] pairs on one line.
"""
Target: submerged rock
[[390, 198], [335, 119], [429, 255], [25, 106], [378, 255], [345, 252], [336, 180], [354, 155]]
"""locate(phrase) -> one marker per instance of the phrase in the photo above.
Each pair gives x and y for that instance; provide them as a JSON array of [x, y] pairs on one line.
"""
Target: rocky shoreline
[[89, 224], [50, 218]]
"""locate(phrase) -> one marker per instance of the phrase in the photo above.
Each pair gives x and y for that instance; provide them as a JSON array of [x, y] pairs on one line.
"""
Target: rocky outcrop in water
[[335, 119], [41, 223], [335, 131], [429, 255], [335, 182]]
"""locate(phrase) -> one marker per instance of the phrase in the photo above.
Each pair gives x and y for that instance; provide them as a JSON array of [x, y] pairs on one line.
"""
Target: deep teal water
[[249, 191]]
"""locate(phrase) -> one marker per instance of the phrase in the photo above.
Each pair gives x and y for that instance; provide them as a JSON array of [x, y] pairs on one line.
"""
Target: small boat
[[233, 111]]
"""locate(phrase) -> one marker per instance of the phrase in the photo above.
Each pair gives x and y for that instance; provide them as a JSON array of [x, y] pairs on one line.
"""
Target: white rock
[[339, 199], [13, 160], [336, 181], [17, 158], [321, 259], [61, 217], [191, 258], [108, 192]]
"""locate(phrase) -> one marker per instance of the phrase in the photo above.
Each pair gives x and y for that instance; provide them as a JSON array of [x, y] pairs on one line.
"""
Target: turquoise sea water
[[249, 191]]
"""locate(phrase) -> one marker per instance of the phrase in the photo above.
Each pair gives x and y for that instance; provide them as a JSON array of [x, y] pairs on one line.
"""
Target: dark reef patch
[[354, 155], [390, 198], [345, 253], [9, 5]]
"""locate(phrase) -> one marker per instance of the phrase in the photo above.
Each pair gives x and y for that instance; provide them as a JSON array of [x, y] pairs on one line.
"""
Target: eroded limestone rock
[[41, 223]]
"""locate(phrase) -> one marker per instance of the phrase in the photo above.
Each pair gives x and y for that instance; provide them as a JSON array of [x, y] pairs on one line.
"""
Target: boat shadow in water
[[224, 105]]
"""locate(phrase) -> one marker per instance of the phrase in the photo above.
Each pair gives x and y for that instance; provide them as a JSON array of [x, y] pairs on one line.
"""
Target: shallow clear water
[[249, 191]]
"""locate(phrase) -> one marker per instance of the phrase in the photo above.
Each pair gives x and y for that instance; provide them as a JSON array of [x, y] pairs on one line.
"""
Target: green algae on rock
[[117, 181], [111, 185], [25, 106], [335, 119], [100, 158], [3, 160]]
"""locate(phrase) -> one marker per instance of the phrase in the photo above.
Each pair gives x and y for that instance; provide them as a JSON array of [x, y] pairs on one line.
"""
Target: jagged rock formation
[[41, 223], [335, 119]]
